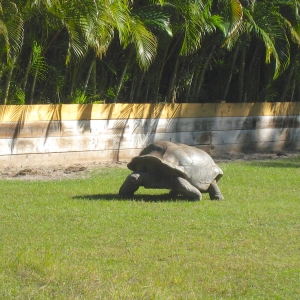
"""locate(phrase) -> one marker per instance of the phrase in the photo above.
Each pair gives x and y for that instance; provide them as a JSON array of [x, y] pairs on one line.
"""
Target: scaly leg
[[214, 191], [183, 187], [130, 185]]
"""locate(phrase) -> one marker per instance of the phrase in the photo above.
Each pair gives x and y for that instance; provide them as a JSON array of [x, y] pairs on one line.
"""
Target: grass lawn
[[74, 239]]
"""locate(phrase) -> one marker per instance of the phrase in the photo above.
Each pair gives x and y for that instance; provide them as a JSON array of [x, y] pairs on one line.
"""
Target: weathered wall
[[51, 134]]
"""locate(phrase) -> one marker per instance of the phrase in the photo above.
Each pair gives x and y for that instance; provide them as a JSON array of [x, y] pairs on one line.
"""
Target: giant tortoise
[[184, 170]]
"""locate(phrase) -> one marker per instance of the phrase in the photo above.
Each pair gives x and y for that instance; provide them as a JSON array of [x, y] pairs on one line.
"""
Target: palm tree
[[261, 20], [142, 22], [191, 22], [149, 50], [11, 40]]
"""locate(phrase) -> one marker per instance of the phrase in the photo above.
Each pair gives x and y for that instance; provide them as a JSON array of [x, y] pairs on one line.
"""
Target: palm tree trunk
[[241, 75], [171, 96], [91, 67], [147, 94], [132, 89], [160, 73], [8, 82], [139, 87], [287, 85], [288, 81], [27, 71], [295, 78], [196, 79], [251, 84], [33, 86], [94, 78], [74, 76], [268, 80], [189, 87], [297, 92], [203, 71], [231, 72], [122, 78]]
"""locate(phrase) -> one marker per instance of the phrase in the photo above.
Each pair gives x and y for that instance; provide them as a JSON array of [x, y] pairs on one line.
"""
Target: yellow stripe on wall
[[22, 113]]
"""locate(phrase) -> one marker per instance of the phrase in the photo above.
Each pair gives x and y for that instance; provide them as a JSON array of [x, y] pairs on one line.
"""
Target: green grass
[[74, 239]]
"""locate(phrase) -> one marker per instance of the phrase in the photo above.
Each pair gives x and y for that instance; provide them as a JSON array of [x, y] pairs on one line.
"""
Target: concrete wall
[[57, 134]]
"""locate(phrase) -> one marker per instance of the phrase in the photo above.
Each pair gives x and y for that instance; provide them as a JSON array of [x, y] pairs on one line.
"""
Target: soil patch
[[84, 170]]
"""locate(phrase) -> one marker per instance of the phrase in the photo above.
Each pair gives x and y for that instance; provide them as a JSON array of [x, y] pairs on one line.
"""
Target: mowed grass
[[74, 239]]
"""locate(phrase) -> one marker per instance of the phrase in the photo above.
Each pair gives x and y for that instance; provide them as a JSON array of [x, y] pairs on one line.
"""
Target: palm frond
[[233, 21], [144, 41], [11, 28], [269, 29], [38, 64], [156, 19]]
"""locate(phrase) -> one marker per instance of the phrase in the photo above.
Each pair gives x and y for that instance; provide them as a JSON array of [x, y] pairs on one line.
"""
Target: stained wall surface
[[70, 133]]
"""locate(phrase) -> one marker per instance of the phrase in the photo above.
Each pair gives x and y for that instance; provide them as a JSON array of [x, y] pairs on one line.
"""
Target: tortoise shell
[[191, 163]]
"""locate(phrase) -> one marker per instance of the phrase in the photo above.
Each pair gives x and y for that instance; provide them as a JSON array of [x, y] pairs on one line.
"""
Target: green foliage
[[72, 239], [110, 93], [38, 66], [78, 97], [48, 49], [19, 98]]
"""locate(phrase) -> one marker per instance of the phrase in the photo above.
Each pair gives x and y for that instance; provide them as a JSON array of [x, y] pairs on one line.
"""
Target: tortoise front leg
[[214, 191], [130, 185], [183, 187], [137, 179]]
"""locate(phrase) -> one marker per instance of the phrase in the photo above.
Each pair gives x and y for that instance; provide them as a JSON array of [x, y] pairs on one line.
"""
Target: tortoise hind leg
[[214, 191], [183, 187]]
